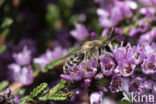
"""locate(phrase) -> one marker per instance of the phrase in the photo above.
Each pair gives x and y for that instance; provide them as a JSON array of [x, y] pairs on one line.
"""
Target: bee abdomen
[[74, 60]]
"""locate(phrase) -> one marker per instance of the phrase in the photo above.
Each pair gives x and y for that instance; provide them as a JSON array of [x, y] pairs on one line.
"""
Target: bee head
[[106, 46]]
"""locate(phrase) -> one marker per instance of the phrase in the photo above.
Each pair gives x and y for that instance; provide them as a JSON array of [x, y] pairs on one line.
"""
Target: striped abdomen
[[73, 60]]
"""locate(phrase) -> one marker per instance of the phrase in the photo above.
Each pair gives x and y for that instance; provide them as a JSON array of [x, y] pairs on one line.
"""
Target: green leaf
[[73, 49], [36, 69], [20, 91], [34, 93], [25, 100], [7, 22], [3, 85], [103, 38], [62, 96], [38, 90], [58, 87], [2, 48], [52, 65], [52, 95]]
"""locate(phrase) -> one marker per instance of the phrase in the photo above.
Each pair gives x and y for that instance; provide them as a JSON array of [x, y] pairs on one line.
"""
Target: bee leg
[[96, 58], [96, 55], [110, 46], [87, 57]]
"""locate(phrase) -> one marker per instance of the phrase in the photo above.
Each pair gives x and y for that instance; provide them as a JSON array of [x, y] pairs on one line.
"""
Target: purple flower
[[143, 27], [119, 53], [107, 65], [149, 49], [67, 77], [136, 85], [121, 10], [23, 75], [56, 53], [145, 39], [42, 60], [133, 32], [102, 88], [103, 18], [90, 68], [148, 12], [80, 33], [135, 54], [95, 98], [84, 70], [153, 46], [29, 43], [131, 4], [23, 58], [148, 84], [118, 31], [105, 32], [153, 2], [153, 33], [126, 69], [76, 73], [154, 88], [149, 65], [87, 82], [125, 8], [109, 18], [146, 2], [49, 56], [94, 36], [116, 84], [116, 14]]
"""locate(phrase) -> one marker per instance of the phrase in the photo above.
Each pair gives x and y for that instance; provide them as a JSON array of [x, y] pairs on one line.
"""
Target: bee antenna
[[111, 33]]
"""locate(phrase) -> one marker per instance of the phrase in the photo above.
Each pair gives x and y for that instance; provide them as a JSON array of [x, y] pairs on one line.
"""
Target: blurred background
[[42, 23]]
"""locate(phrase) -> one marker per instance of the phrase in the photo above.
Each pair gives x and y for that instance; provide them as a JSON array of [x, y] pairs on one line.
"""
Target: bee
[[90, 50], [6, 97]]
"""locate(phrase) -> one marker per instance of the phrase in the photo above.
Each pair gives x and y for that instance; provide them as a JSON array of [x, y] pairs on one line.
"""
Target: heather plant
[[31, 66]]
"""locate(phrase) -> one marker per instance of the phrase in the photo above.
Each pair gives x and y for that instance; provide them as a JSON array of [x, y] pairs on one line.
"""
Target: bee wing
[[73, 53]]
